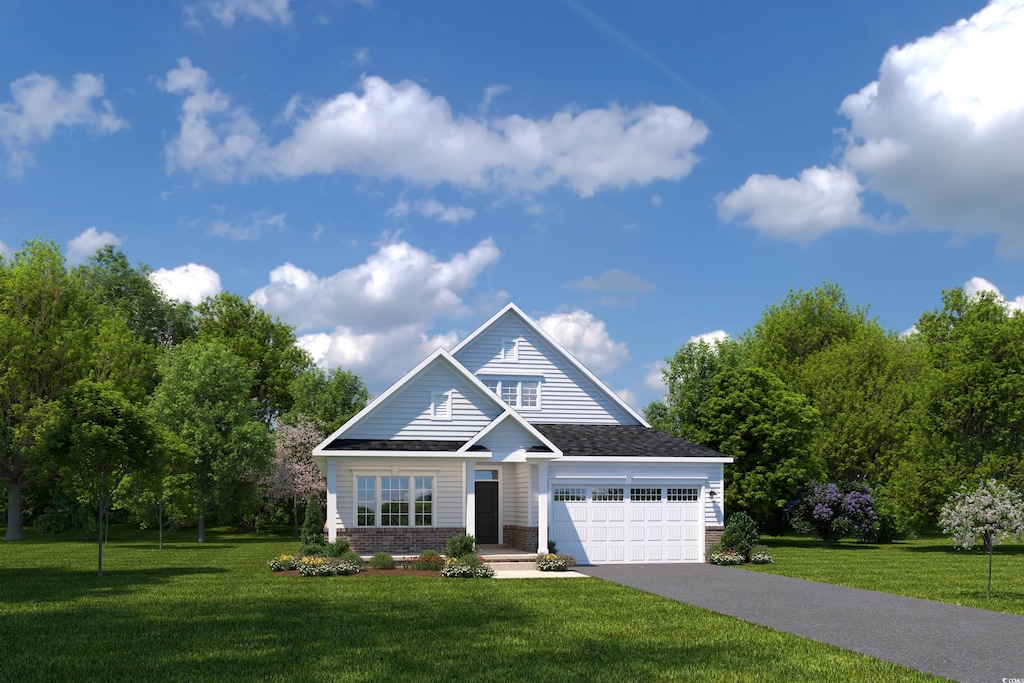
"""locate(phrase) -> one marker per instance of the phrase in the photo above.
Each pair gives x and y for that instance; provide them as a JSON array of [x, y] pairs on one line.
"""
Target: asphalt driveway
[[961, 643]]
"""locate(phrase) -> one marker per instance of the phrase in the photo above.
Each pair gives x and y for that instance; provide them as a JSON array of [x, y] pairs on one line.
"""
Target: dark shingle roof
[[621, 440], [394, 445]]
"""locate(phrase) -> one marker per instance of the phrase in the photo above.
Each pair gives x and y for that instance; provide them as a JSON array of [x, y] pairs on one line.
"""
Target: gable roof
[[561, 350], [595, 440], [545, 447]]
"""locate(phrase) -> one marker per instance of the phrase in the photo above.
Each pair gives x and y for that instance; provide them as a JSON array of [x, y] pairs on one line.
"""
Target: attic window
[[516, 392], [510, 351], [441, 405]]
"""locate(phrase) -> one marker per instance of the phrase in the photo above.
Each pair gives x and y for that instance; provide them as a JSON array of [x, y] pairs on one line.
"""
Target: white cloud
[[711, 338], [5, 250], [629, 397], [979, 284], [432, 208], [939, 133], [654, 380], [361, 57], [378, 357], [400, 209], [490, 92], [40, 106], [85, 245], [248, 229], [402, 131], [585, 337], [191, 282], [612, 280], [822, 199], [398, 285], [269, 11], [655, 200]]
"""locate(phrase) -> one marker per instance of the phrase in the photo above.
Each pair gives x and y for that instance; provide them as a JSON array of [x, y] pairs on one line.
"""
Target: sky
[[385, 175]]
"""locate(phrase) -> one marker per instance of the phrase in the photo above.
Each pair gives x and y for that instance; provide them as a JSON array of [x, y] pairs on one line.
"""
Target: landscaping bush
[[322, 566], [460, 545], [740, 534], [352, 557], [553, 562], [313, 528], [308, 549], [891, 525], [382, 561], [468, 566], [338, 548], [726, 557], [430, 553], [427, 563], [282, 563], [832, 511], [552, 548], [760, 554]]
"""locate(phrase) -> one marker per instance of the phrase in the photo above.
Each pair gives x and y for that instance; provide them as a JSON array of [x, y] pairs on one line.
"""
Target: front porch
[[503, 557]]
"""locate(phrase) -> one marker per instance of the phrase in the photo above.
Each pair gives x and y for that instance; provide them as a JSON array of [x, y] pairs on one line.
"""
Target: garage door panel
[[654, 513], [674, 533], [616, 514], [654, 533], [617, 534], [674, 514]]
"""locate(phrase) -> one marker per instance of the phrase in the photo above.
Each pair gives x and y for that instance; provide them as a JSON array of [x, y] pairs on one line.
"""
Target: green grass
[[215, 612], [927, 568]]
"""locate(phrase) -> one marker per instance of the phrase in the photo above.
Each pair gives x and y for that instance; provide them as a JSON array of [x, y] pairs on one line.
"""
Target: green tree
[[328, 398], [205, 397], [266, 344], [751, 416], [98, 439]]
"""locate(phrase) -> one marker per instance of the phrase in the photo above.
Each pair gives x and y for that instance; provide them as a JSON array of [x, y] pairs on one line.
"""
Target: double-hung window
[[394, 501]]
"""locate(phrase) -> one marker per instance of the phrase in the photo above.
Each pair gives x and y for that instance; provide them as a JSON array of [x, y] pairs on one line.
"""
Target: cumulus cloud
[[612, 280], [822, 199], [654, 380], [585, 337], [40, 106], [629, 397], [711, 338], [248, 229], [398, 285], [379, 357], [979, 284], [432, 208], [191, 282], [939, 133], [402, 131], [490, 92], [228, 11], [86, 244]]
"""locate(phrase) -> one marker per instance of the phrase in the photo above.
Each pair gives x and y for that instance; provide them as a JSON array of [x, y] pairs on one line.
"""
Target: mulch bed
[[372, 572]]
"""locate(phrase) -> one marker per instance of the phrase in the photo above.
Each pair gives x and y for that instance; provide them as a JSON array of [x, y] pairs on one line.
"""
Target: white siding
[[566, 394], [508, 440], [448, 485], [515, 487], [406, 414]]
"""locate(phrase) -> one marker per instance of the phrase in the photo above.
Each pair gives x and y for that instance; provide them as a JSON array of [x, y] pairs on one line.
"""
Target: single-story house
[[511, 439]]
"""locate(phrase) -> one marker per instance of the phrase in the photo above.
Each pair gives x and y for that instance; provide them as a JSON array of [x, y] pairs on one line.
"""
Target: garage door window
[[601, 494], [645, 495], [687, 494], [570, 493]]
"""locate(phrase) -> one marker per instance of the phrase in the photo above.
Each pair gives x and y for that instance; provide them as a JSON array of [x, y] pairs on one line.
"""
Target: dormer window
[[518, 393], [441, 406], [510, 351]]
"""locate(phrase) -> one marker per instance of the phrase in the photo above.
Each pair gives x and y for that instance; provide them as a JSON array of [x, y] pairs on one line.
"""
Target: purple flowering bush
[[833, 511]]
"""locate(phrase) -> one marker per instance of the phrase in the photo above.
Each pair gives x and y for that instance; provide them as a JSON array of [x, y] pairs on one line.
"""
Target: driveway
[[961, 643]]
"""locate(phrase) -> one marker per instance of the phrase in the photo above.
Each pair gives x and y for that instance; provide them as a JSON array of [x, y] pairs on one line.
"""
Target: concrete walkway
[[960, 643]]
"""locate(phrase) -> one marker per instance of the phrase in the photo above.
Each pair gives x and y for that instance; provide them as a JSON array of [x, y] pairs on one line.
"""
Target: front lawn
[[216, 612], [927, 568]]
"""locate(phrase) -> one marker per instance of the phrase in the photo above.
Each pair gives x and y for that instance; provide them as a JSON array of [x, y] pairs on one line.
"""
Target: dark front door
[[487, 512]]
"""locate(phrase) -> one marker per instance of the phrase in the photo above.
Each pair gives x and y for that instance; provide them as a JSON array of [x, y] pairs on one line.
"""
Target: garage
[[635, 523]]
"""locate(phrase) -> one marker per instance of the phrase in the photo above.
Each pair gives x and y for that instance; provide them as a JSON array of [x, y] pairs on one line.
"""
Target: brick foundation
[[712, 535], [521, 537], [399, 540]]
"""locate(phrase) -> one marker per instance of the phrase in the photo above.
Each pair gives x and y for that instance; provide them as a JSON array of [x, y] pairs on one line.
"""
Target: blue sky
[[384, 175]]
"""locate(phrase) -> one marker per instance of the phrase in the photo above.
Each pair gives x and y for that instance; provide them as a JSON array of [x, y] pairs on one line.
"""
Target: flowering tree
[[832, 511], [294, 475], [991, 512]]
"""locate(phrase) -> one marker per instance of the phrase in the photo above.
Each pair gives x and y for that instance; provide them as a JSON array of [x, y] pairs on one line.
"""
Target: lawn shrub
[[552, 548], [740, 534], [351, 557], [337, 548], [833, 511], [460, 545], [553, 562], [467, 566], [322, 566], [282, 563], [427, 563], [312, 536], [760, 554], [382, 561], [726, 558], [430, 553]]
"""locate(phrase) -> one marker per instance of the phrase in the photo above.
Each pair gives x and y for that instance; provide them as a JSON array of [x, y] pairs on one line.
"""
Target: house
[[511, 439]]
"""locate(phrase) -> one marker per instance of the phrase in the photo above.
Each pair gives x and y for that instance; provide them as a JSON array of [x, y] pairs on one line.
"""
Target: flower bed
[[555, 562]]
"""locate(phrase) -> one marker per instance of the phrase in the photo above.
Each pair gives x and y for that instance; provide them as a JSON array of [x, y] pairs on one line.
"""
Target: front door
[[487, 512]]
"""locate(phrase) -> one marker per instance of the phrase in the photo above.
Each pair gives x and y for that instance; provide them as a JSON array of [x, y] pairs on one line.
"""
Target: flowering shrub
[[553, 562], [759, 554], [282, 563], [832, 511], [322, 566], [466, 567], [429, 563], [726, 557]]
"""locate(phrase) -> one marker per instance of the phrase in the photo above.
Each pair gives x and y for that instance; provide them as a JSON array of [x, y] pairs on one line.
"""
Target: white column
[[542, 506], [332, 500], [470, 469]]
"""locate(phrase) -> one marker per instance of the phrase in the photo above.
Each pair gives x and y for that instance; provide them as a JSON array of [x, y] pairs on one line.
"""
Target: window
[[509, 351], [518, 393], [486, 475], [391, 496], [441, 406], [603, 494], [687, 494], [645, 495], [570, 493]]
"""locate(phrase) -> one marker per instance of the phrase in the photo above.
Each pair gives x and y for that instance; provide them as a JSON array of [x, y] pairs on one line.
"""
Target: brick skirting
[[521, 537], [399, 540], [712, 535]]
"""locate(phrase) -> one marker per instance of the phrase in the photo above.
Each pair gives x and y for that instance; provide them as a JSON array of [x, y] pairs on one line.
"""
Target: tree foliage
[[294, 476], [833, 511], [327, 398]]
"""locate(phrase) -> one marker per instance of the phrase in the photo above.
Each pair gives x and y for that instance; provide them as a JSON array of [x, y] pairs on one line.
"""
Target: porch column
[[332, 500], [542, 507], [470, 470]]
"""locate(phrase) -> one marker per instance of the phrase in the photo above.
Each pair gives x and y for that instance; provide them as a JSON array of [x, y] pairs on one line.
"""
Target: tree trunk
[[991, 547], [15, 530], [160, 523], [295, 514], [99, 540], [202, 527]]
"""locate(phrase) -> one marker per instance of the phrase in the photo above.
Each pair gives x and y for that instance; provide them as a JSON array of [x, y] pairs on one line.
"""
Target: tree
[[98, 439], [832, 511], [328, 398], [992, 512], [294, 475], [205, 397], [751, 416], [266, 344]]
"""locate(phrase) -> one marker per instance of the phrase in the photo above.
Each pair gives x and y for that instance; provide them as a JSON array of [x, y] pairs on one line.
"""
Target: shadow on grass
[[948, 549], [807, 543], [49, 584]]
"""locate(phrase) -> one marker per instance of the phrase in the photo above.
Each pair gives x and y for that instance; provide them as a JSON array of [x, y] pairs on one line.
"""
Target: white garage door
[[608, 524]]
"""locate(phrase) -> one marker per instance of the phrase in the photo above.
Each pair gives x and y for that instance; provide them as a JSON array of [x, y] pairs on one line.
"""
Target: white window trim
[[444, 397], [518, 405], [411, 477], [509, 345]]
